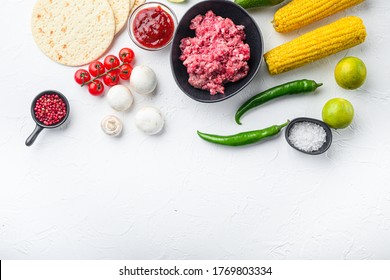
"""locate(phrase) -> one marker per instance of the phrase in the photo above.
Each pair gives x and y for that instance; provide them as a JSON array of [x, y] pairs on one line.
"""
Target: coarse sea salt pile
[[307, 136]]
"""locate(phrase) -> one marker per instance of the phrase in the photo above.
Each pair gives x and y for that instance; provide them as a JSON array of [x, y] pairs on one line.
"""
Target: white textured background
[[78, 194]]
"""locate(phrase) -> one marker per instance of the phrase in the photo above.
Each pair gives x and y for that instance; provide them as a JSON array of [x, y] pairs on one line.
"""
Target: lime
[[338, 113], [350, 72]]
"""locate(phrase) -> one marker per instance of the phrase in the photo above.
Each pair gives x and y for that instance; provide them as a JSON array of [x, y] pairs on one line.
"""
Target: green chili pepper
[[247, 4], [293, 87], [243, 138]]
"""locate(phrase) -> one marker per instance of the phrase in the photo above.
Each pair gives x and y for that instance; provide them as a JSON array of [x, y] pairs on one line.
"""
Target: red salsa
[[153, 27]]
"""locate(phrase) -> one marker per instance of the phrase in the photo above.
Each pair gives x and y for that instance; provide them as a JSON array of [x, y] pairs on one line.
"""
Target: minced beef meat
[[217, 55]]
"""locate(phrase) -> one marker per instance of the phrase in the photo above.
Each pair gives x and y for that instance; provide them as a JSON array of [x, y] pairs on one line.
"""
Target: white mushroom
[[149, 120], [111, 125], [143, 80], [119, 98]]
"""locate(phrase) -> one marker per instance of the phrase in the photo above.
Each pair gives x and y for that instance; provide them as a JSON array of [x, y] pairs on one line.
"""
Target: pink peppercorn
[[50, 109]]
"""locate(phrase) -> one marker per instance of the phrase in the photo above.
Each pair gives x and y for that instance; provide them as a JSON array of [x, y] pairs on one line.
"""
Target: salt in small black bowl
[[40, 126], [328, 131], [254, 39]]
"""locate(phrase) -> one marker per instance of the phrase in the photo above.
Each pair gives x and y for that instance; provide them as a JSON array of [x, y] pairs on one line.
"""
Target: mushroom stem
[[111, 125]]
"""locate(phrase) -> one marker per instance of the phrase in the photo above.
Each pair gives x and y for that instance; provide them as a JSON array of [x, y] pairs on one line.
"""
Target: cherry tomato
[[111, 61], [96, 87], [125, 71], [96, 68], [112, 78], [126, 55], [82, 76]]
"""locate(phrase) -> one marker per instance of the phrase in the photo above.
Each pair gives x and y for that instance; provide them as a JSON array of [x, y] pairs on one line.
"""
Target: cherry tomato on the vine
[[82, 76], [125, 71], [96, 68], [111, 78], [126, 55], [111, 61], [96, 87]]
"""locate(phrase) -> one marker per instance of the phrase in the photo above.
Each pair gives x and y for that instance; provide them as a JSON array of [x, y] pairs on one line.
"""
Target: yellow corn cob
[[299, 13], [319, 43]]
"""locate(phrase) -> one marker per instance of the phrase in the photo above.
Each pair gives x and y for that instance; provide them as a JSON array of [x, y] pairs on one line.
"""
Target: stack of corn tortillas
[[76, 32]]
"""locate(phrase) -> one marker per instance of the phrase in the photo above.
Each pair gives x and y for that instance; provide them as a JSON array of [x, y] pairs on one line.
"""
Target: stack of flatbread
[[76, 32]]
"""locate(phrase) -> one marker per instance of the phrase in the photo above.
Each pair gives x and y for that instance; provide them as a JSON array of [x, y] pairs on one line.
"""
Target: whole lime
[[350, 73], [338, 113]]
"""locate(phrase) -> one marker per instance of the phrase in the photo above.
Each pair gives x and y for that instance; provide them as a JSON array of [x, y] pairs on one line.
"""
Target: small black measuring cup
[[328, 131], [40, 126]]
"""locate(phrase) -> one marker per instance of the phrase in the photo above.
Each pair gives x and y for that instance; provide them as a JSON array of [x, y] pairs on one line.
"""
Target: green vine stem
[[103, 74]]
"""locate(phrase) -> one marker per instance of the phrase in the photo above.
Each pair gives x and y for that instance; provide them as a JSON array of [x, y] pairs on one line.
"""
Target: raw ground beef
[[217, 55]]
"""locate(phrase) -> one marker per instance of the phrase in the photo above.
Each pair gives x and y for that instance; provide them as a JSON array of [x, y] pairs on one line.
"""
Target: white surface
[[79, 194]]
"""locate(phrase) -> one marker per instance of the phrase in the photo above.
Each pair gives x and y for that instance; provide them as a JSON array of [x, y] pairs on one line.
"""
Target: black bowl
[[239, 16], [40, 126], [328, 131]]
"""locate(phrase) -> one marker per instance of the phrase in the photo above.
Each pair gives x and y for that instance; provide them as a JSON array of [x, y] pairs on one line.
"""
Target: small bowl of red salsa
[[152, 26]]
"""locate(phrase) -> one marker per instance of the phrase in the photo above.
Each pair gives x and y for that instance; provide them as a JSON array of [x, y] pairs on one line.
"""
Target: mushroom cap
[[149, 120], [143, 80], [119, 98]]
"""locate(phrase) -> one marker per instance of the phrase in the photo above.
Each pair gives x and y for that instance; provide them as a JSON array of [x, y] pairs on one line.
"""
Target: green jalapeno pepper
[[247, 4], [243, 138], [294, 87]]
